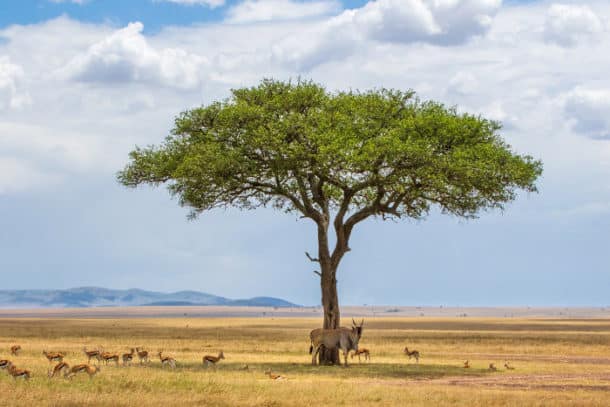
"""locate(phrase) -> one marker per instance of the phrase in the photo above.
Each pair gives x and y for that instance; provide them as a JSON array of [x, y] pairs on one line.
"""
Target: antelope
[[15, 349], [244, 367], [91, 354], [58, 369], [128, 357], [492, 367], [412, 354], [4, 364], [19, 373], [89, 369], [343, 338], [107, 357], [508, 366], [363, 351], [274, 376], [142, 355], [466, 364], [212, 360], [53, 356], [167, 360]]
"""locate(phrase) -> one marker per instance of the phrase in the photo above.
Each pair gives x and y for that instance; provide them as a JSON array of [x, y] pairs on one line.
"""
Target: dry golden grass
[[557, 363]]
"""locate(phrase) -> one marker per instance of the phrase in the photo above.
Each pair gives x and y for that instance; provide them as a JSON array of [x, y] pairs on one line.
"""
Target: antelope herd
[[344, 339]]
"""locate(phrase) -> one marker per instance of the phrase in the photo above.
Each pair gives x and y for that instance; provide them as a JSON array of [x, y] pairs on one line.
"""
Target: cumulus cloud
[[267, 10], [209, 3], [588, 111], [568, 24], [11, 93], [126, 56], [447, 22]]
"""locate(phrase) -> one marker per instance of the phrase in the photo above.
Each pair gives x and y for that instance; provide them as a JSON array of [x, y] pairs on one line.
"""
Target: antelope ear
[[362, 323]]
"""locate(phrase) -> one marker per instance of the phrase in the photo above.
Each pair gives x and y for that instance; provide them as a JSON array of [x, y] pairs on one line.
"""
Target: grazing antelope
[[19, 373], [466, 364], [128, 357], [492, 367], [508, 366], [4, 364], [86, 368], [412, 354], [274, 376], [91, 354], [343, 338], [212, 360], [53, 356], [107, 357], [244, 367], [15, 349], [363, 351], [61, 367], [142, 355], [167, 360]]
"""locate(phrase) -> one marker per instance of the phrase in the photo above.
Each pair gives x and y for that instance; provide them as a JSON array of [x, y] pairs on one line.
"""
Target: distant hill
[[83, 297]]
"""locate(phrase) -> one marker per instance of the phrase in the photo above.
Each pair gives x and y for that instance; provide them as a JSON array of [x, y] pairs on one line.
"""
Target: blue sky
[[82, 84]]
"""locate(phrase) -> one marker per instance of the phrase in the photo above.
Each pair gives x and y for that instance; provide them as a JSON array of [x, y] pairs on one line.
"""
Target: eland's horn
[[354, 322]]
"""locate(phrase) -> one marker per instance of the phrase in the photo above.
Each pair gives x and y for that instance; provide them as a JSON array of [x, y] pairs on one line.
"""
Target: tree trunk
[[332, 316]]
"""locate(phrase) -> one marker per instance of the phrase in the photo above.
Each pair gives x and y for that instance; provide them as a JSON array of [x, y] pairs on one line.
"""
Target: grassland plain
[[558, 362]]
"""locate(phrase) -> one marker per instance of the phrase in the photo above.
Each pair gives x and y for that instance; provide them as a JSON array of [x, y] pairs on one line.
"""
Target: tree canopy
[[298, 147]]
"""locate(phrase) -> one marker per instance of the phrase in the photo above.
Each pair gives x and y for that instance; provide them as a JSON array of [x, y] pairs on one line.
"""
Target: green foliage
[[298, 147]]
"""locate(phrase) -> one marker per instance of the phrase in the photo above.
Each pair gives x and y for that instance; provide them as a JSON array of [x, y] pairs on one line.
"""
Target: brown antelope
[[412, 354], [91, 354], [142, 355], [492, 367], [363, 351], [61, 367], [167, 360], [53, 356], [274, 376], [107, 357], [128, 357], [19, 373], [508, 366], [466, 364], [86, 368], [342, 338], [212, 360], [4, 363], [15, 349]]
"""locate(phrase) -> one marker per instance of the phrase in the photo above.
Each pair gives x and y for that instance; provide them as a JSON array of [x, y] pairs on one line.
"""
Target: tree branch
[[313, 259]]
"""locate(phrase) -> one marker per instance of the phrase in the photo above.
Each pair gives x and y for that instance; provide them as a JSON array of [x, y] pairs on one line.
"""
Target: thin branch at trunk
[[313, 259]]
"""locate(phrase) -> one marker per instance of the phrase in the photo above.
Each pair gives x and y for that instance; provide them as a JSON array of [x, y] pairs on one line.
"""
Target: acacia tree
[[336, 159]]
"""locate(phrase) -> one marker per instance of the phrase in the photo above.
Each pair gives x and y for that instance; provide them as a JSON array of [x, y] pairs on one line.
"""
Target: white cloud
[[589, 111], [267, 10], [568, 24], [11, 93], [209, 3], [126, 56]]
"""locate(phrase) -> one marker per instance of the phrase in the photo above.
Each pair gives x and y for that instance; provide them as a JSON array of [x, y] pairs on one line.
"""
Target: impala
[[107, 357], [53, 356], [363, 351], [61, 367], [142, 355], [508, 366], [274, 376], [212, 360], [4, 364], [86, 368], [412, 354], [167, 360], [492, 367], [15, 349], [19, 373], [91, 354], [466, 364], [128, 357]]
